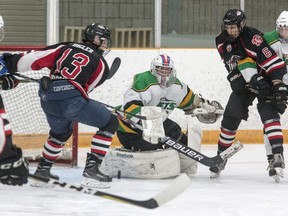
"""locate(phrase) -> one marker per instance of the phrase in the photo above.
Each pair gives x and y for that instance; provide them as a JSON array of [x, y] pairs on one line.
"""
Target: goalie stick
[[191, 153], [178, 185], [201, 158]]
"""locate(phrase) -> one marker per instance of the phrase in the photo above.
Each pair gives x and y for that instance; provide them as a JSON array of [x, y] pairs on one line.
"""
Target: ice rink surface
[[244, 189]]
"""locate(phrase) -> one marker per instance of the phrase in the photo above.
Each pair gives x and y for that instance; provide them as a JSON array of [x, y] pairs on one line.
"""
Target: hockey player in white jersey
[[158, 87], [278, 40]]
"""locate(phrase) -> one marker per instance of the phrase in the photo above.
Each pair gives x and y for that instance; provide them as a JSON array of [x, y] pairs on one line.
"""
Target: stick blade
[[229, 152], [114, 67], [173, 190]]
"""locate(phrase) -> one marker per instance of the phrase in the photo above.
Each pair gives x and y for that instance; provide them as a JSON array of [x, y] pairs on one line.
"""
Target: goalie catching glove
[[211, 118], [199, 102], [207, 115]]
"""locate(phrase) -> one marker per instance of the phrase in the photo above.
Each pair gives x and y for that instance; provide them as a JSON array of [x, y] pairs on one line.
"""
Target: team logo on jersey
[[257, 40], [229, 48], [167, 104]]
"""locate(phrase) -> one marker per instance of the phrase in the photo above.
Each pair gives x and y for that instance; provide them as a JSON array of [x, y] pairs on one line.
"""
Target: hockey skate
[[43, 170], [92, 176], [276, 166]]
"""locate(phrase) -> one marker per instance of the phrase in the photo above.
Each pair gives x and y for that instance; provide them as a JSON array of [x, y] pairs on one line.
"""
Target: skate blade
[[276, 178], [279, 171], [92, 183]]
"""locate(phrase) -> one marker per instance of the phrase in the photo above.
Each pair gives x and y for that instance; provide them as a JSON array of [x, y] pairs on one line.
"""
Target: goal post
[[28, 121]]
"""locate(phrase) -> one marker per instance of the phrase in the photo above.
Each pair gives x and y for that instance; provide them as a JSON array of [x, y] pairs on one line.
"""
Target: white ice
[[244, 189]]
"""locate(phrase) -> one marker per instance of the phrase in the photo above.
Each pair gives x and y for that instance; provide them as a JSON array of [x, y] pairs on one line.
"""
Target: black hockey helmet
[[234, 17], [99, 35]]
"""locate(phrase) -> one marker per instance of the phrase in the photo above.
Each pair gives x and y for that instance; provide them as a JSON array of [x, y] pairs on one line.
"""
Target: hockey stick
[[189, 152], [179, 184], [140, 117], [111, 108], [201, 158], [114, 67], [26, 78]]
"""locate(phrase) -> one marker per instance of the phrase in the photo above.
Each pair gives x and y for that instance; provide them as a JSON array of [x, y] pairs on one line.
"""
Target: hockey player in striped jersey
[[13, 167], [278, 40], [244, 52], [76, 69]]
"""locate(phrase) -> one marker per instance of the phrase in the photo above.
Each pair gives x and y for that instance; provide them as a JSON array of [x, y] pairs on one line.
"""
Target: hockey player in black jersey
[[244, 53], [13, 167], [76, 69]]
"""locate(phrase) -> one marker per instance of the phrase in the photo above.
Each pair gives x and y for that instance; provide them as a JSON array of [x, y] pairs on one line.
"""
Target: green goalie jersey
[[145, 91]]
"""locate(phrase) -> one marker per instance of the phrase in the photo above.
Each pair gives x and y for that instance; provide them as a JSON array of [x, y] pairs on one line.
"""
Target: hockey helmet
[[162, 67], [282, 25], [1, 28], [234, 17], [282, 20], [98, 35]]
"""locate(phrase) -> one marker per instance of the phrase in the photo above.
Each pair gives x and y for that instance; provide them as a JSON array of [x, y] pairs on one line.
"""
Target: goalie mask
[[162, 67], [282, 26], [98, 35], [1, 28]]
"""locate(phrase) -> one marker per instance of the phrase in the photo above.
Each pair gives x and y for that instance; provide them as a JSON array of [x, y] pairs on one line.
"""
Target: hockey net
[[28, 121]]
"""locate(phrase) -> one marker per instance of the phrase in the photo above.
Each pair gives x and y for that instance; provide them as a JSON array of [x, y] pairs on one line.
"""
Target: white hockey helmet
[[282, 25], [282, 20], [162, 67], [1, 28]]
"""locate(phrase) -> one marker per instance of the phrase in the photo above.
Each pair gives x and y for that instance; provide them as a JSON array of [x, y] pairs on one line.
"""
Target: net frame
[[28, 121]]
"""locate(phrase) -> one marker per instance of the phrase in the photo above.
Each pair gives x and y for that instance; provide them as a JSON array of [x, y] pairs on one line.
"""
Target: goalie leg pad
[[194, 141], [141, 165]]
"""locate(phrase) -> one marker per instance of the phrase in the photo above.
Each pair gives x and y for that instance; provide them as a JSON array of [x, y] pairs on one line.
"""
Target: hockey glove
[[14, 171], [207, 106], [9, 82], [237, 82], [279, 96], [3, 68], [259, 84], [213, 117]]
